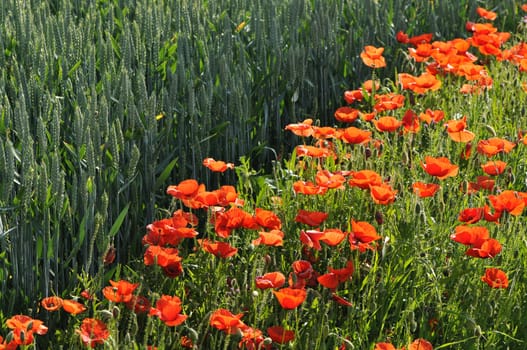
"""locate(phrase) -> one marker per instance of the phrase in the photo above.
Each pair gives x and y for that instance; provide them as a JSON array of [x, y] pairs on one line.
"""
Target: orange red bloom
[[372, 56], [495, 278], [168, 309], [439, 167], [290, 298], [93, 332], [120, 291]]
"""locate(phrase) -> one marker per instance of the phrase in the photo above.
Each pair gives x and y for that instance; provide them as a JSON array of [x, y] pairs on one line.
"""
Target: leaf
[[117, 224]]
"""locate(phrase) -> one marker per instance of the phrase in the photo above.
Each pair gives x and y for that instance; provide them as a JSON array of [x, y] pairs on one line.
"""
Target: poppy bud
[[379, 218]]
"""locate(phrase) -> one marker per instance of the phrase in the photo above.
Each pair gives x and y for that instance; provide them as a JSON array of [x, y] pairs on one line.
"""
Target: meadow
[[298, 175]]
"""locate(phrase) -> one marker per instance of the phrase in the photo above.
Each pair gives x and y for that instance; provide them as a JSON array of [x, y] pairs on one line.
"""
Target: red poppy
[[51, 303], [279, 335], [311, 218], [270, 280], [364, 179], [439, 167], [186, 189], [267, 219], [220, 249], [509, 201], [290, 298], [23, 327], [353, 95], [303, 269], [73, 307], [217, 165], [168, 309], [334, 277], [311, 238], [312, 151], [382, 194], [488, 249], [495, 167], [494, 145], [471, 215], [92, 332], [332, 236], [355, 135], [303, 129], [308, 188], [226, 321], [388, 102], [420, 39], [186, 342], [274, 238], [470, 235], [384, 346], [425, 190], [420, 344], [495, 278], [120, 291], [363, 231], [372, 57], [346, 114], [486, 14], [330, 180], [161, 256], [432, 116], [410, 122], [402, 37], [387, 124]]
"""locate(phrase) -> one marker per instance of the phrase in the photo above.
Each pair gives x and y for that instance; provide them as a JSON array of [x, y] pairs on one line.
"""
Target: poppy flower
[[494, 145], [52, 303], [388, 102], [471, 215], [470, 235], [372, 57], [217, 165], [363, 231], [509, 201], [270, 280], [23, 329], [420, 39], [311, 238], [410, 122], [303, 129], [308, 188], [161, 256], [267, 219], [329, 280], [120, 291], [168, 309], [312, 151], [279, 335], [364, 179], [332, 237], [382, 194], [73, 307], [290, 298], [324, 132], [186, 189], [355, 135], [387, 124], [224, 320], [220, 249], [311, 218], [402, 37], [92, 332], [330, 180], [353, 95], [432, 116], [488, 249], [346, 114], [384, 346], [303, 269], [439, 167], [425, 190], [274, 238], [420, 344], [495, 167], [495, 278], [486, 14]]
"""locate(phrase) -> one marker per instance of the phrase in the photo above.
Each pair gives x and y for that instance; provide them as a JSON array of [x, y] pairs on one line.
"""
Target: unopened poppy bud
[[379, 218], [116, 311]]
